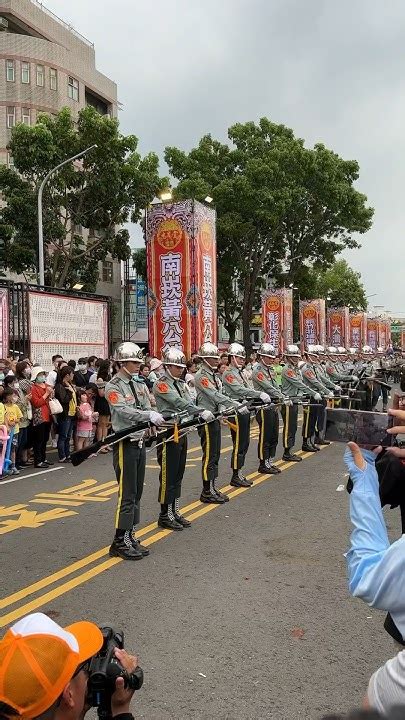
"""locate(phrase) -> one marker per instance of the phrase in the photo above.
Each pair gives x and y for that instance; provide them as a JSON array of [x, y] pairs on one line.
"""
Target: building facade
[[46, 65]]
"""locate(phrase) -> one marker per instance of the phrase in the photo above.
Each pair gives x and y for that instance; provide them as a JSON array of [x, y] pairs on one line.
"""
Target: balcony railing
[[66, 25]]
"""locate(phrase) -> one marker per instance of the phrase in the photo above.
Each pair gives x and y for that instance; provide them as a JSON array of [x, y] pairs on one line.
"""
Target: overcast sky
[[332, 71]]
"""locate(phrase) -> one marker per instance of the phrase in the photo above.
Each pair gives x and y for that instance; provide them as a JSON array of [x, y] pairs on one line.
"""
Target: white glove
[[317, 397], [355, 378], [156, 418], [287, 402], [266, 398], [243, 410], [207, 416], [337, 388], [330, 394]]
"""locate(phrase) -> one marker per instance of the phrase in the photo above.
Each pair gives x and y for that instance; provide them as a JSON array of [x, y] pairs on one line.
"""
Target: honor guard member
[[320, 371], [129, 404], [235, 385], [294, 388], [332, 371], [211, 397], [171, 394], [314, 419], [264, 379]]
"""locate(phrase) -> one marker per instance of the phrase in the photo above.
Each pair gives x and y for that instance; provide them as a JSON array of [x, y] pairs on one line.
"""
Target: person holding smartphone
[[376, 568]]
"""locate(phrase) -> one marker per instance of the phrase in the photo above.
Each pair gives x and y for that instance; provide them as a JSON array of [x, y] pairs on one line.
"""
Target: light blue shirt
[[376, 569]]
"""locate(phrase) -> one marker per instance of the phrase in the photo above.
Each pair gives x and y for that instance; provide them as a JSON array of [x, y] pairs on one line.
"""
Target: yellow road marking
[[83, 484], [65, 587]]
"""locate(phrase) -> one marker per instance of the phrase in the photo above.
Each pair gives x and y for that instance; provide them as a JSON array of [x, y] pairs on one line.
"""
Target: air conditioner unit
[[3, 23]]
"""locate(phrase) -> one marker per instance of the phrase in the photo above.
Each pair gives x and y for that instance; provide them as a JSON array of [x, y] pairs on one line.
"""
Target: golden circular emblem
[[273, 303], [309, 312], [169, 234], [335, 317], [371, 325], [206, 236], [355, 321]]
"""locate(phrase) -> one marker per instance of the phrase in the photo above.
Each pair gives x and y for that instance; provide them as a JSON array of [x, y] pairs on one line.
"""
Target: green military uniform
[[314, 417], [210, 397], [129, 404], [172, 395], [236, 387], [334, 375], [293, 387], [264, 378]]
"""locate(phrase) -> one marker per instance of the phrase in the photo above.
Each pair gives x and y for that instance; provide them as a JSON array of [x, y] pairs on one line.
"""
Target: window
[[107, 271], [73, 88], [10, 73], [40, 76], [53, 79], [10, 117], [26, 116], [25, 72], [10, 161]]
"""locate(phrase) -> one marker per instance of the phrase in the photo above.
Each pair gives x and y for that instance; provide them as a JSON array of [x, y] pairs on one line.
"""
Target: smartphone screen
[[361, 427]]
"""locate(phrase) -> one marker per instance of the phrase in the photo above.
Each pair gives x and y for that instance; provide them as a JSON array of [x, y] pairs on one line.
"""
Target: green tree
[[342, 285], [99, 193], [277, 201], [139, 262]]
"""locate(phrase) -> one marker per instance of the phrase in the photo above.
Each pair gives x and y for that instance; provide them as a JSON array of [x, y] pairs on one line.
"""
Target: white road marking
[[24, 477]]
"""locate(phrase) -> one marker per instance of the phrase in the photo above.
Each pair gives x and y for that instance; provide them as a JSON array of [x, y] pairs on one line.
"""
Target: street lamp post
[[41, 264]]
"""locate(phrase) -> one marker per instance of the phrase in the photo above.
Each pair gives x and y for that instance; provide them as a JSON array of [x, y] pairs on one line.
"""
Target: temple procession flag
[[357, 329], [312, 322], [277, 318], [338, 326], [372, 333], [384, 333], [182, 276]]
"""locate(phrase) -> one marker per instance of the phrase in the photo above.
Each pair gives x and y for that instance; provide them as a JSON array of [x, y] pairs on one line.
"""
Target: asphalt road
[[244, 615]]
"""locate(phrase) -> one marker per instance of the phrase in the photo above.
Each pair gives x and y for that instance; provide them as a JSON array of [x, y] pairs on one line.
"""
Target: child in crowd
[[12, 415], [85, 419]]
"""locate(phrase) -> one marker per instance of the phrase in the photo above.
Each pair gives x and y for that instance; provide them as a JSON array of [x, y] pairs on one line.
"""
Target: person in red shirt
[[41, 416]]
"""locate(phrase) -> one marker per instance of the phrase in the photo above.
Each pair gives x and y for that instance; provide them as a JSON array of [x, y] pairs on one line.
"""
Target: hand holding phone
[[362, 427]]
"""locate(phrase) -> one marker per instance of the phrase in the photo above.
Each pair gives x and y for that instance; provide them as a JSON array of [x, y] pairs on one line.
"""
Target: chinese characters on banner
[[372, 333], [181, 259], [338, 326], [4, 337], [205, 280], [69, 326], [312, 322], [384, 333], [277, 319], [357, 329]]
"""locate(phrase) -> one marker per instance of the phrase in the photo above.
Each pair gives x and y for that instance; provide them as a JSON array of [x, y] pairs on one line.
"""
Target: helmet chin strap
[[172, 376]]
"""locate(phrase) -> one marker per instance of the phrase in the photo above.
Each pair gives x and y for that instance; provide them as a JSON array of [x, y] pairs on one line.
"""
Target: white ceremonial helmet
[[292, 351], [267, 350], [174, 356], [237, 350], [127, 352]]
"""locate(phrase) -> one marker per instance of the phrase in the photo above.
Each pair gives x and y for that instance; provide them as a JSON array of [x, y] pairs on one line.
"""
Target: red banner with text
[[312, 322], [372, 333], [181, 262], [338, 326], [357, 329], [277, 318]]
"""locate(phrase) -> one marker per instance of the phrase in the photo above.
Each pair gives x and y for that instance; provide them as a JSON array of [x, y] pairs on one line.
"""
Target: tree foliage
[[342, 285], [99, 193], [280, 206]]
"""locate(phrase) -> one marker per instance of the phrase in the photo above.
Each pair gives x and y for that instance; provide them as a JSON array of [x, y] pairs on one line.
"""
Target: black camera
[[104, 670]]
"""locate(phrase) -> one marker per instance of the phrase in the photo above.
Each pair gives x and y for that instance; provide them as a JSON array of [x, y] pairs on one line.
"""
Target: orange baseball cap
[[38, 658]]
